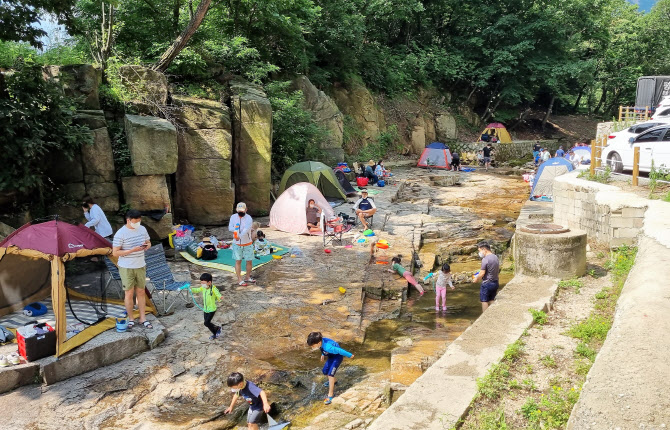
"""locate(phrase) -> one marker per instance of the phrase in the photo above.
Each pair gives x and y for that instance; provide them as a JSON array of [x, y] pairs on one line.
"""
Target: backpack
[[209, 252]]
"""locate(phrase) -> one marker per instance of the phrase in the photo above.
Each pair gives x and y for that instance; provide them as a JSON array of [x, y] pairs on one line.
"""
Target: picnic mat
[[225, 261], [371, 191]]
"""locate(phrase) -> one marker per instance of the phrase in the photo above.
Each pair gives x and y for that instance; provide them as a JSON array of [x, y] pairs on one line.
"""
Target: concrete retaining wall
[[607, 214], [507, 151]]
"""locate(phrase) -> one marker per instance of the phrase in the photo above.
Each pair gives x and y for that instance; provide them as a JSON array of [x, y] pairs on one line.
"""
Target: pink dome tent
[[289, 211]]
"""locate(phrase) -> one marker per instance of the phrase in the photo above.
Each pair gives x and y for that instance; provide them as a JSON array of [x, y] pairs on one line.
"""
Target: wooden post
[[646, 113], [592, 167], [620, 112], [636, 164]]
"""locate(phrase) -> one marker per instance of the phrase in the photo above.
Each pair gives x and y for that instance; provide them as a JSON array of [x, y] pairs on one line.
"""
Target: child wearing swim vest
[[396, 267]]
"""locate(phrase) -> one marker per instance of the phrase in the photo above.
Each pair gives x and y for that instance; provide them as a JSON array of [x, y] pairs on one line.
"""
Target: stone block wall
[[507, 151], [606, 213]]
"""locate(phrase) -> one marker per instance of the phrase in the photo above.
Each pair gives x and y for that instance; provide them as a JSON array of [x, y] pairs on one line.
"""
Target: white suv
[[654, 144]]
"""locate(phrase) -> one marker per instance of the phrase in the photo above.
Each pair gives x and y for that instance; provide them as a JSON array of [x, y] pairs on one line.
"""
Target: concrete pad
[[442, 395], [19, 375], [627, 386], [107, 348]]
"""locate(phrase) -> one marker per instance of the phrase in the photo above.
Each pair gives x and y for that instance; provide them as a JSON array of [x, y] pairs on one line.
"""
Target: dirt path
[[182, 383]]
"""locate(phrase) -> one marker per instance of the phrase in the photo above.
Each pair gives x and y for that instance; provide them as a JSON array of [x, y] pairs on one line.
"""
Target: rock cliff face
[[79, 81], [357, 102], [252, 145], [204, 194], [326, 114], [153, 145]]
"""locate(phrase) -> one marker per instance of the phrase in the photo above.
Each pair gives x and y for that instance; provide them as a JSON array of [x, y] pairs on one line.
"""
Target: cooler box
[[361, 181], [39, 346]]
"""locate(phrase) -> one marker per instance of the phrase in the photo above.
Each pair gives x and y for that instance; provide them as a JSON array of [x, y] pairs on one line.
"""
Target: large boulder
[[146, 193], [418, 136], [194, 113], [204, 193], [158, 229], [252, 133], [105, 194], [147, 87], [98, 158], [153, 145], [357, 102], [92, 118], [445, 127], [326, 114], [79, 81]]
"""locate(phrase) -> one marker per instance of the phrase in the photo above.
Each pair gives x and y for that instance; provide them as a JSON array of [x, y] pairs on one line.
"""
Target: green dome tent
[[318, 174]]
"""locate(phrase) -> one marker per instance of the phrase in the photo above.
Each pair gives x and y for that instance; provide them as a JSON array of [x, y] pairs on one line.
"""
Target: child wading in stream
[[396, 267], [257, 399], [333, 355], [443, 278]]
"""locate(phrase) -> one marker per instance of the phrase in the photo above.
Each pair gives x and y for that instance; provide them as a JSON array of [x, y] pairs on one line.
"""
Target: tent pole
[[58, 300]]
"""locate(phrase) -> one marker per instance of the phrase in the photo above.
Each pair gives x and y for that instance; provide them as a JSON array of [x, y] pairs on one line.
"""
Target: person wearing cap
[[364, 207], [546, 155], [370, 172], [241, 225]]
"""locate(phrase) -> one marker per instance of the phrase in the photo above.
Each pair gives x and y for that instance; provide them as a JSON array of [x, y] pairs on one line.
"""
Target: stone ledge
[[19, 375]]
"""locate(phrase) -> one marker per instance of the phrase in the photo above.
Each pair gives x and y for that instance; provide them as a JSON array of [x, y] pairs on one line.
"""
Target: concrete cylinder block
[[560, 255]]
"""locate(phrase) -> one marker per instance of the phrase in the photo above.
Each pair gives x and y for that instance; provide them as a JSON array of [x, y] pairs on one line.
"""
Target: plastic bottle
[[474, 277]]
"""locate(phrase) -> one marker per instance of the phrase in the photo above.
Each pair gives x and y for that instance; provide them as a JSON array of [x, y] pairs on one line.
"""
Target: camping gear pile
[[32, 268], [435, 156], [181, 236]]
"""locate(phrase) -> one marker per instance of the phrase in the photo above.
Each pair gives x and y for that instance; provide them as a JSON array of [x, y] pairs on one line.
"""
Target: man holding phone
[[130, 242]]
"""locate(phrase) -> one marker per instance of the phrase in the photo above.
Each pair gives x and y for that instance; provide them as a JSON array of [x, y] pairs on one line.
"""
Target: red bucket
[[362, 182]]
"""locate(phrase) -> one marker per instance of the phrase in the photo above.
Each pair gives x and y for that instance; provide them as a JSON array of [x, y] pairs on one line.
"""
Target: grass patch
[[513, 351], [583, 350], [494, 382], [549, 361], [604, 176], [488, 420], [552, 411], [539, 317], [574, 283], [594, 327]]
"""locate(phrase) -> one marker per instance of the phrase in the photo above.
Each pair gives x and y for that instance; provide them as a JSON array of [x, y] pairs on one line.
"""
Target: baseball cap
[[241, 206]]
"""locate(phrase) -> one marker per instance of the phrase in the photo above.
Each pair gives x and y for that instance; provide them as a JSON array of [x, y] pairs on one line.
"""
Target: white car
[[663, 109], [654, 144]]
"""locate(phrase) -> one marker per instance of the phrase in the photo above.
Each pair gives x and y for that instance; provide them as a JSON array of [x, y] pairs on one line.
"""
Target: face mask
[[235, 390], [316, 348], [311, 205], [204, 285], [481, 254], [241, 214], [135, 224]]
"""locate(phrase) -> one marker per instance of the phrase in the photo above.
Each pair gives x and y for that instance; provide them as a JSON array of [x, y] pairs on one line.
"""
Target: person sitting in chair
[[364, 207], [313, 214], [370, 172]]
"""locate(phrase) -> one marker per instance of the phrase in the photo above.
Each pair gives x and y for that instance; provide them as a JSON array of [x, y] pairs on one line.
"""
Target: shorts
[[488, 291], [332, 363], [255, 416], [133, 278], [243, 253], [487, 160]]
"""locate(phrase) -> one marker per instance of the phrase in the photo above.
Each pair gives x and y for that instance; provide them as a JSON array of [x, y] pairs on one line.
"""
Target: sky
[[644, 5]]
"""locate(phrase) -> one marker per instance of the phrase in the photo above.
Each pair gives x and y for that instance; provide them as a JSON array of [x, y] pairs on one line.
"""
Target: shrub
[[539, 317]]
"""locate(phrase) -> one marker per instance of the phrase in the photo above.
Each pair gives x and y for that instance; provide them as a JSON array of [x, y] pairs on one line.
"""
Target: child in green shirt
[[396, 267], [210, 295]]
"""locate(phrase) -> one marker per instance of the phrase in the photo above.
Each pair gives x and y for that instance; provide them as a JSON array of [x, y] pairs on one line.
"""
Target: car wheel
[[614, 162]]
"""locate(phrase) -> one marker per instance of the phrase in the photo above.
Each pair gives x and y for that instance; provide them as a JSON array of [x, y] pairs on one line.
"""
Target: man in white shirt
[[364, 208], [241, 224], [546, 155], [96, 218], [129, 244]]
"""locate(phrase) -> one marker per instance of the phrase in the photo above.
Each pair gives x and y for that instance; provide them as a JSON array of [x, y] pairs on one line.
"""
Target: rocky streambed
[[394, 335]]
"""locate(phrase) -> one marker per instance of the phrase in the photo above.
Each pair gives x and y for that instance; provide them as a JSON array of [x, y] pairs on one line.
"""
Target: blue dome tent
[[544, 179], [436, 155]]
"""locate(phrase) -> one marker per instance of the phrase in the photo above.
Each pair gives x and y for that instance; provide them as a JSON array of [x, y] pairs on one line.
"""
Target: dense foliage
[[35, 120]]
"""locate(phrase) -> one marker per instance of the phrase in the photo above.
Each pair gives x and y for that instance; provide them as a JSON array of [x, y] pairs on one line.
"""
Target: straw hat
[[371, 162]]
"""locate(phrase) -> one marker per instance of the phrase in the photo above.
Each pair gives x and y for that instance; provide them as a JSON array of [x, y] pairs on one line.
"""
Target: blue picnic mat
[[224, 259]]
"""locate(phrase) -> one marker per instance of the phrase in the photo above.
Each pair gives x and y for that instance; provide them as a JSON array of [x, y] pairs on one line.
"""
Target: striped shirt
[[127, 239]]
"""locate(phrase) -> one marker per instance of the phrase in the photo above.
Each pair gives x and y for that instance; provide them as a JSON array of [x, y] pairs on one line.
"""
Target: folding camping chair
[[114, 277], [369, 219], [332, 230], [162, 280]]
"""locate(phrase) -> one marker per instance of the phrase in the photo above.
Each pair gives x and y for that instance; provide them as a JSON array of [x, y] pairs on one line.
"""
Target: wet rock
[[153, 145]]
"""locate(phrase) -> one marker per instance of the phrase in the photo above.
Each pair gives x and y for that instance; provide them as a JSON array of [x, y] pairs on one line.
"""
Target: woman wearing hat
[[370, 172]]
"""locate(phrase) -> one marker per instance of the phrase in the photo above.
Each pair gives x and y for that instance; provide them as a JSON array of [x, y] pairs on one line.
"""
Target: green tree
[[35, 119]]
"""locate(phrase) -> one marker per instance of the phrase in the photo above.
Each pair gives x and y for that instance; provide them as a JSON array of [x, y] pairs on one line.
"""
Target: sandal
[[147, 325], [131, 324], [328, 401], [250, 280], [242, 284]]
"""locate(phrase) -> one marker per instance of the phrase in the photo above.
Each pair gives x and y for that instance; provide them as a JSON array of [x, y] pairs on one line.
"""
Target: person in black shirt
[[455, 161], [488, 150]]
